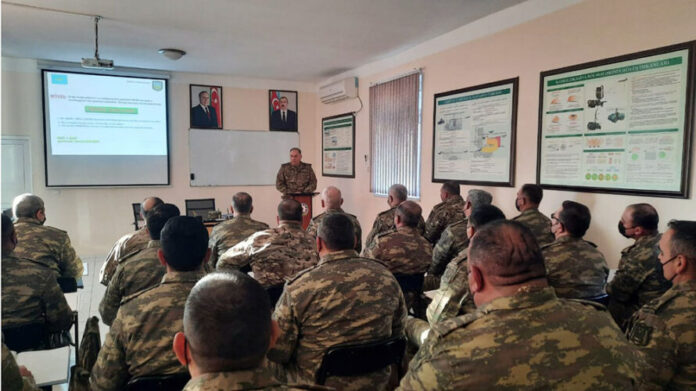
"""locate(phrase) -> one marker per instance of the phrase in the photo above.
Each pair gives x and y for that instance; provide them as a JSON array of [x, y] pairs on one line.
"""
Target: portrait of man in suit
[[282, 115], [206, 113]]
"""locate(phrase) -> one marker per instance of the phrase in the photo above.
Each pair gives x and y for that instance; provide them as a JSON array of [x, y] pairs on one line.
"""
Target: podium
[[305, 199]]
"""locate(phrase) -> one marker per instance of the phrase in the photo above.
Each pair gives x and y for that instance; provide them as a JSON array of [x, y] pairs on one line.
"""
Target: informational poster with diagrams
[[474, 134], [338, 146], [618, 125]]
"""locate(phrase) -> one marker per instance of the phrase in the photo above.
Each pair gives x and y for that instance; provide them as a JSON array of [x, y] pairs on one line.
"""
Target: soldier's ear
[[320, 244], [179, 347], [475, 279], [160, 256], [206, 257], [323, 204], [251, 209]]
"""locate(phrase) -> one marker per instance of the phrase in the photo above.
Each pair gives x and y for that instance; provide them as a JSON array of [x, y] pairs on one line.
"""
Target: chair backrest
[[200, 207], [137, 218], [601, 299], [410, 282], [31, 336], [67, 284], [174, 382], [361, 358]]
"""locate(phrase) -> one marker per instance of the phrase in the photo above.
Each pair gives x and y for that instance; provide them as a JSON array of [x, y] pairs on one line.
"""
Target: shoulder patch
[[640, 334], [447, 326]]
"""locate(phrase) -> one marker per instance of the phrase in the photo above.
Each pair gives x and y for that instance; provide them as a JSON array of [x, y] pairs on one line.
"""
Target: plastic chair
[[360, 358], [174, 382]]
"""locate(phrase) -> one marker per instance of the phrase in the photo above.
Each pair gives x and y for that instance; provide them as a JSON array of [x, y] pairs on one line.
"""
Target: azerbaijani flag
[[275, 102], [215, 103]]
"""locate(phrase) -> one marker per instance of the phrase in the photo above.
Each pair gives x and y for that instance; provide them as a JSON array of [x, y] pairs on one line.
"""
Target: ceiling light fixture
[[172, 54]]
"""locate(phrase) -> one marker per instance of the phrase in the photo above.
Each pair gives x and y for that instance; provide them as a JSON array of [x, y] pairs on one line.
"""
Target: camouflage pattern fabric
[[664, 330], [539, 224], [638, 279], [385, 223], [136, 273], [316, 221], [48, 246], [452, 242], [453, 296], [227, 234], [344, 299], [274, 255], [529, 341], [443, 214], [575, 268], [123, 248], [139, 342], [30, 294], [253, 379], [404, 251], [12, 380], [296, 179]]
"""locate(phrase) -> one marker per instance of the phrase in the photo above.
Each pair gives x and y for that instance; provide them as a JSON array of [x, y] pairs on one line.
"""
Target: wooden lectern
[[305, 199]]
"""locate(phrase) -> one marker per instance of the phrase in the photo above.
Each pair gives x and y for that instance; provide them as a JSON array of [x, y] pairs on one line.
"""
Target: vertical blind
[[395, 134]]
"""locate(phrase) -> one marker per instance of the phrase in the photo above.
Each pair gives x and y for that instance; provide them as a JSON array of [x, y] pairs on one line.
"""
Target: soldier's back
[[575, 268], [314, 224], [404, 251], [385, 223], [255, 379], [125, 247], [47, 245], [227, 234], [453, 241], [443, 214], [539, 224]]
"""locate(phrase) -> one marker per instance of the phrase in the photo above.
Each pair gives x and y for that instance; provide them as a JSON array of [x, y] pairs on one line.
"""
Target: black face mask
[[622, 230], [517, 206]]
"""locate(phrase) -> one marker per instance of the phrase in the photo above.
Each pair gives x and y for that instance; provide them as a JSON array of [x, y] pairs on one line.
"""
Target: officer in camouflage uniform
[[227, 234], [295, 176], [140, 271], [527, 201], [665, 329], [449, 211], [344, 299], [385, 220], [43, 244], [30, 293], [331, 200], [139, 342], [453, 297], [574, 267], [521, 337], [14, 377], [275, 254], [129, 244], [222, 362], [639, 278]]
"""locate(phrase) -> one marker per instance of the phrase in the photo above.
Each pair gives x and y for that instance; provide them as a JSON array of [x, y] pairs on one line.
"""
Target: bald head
[[331, 197], [149, 203], [408, 213], [26, 205]]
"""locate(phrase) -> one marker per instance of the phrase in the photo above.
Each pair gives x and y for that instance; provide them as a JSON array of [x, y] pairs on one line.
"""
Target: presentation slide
[[105, 130]]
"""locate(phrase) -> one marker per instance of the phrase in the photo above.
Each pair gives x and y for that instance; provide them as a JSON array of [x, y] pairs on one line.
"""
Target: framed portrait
[[338, 146], [282, 110], [206, 106]]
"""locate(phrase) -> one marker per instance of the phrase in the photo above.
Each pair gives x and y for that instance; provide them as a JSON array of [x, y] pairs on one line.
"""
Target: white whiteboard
[[237, 157]]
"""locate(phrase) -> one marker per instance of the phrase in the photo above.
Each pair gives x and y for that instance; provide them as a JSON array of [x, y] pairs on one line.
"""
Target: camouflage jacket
[[123, 248], [227, 234], [344, 299], [443, 214], [316, 221], [140, 271], [12, 380], [139, 342], [539, 224], [638, 279], [253, 379], [575, 268], [300, 179], [30, 294], [48, 246], [385, 223], [452, 242], [453, 297], [274, 255], [665, 331], [404, 251], [529, 341]]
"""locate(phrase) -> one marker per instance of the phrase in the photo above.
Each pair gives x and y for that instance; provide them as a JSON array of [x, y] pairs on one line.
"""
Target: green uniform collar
[[525, 297], [336, 255], [177, 277]]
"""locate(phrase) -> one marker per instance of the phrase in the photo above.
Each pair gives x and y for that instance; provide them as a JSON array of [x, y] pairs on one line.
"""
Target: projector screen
[[104, 130]]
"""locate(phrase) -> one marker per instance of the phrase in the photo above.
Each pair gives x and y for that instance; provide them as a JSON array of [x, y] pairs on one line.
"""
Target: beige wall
[[588, 31], [96, 217]]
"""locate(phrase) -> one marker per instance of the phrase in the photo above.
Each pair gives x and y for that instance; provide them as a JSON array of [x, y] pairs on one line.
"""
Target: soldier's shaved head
[[158, 216], [484, 214], [451, 188], [683, 238], [332, 197], [184, 242], [507, 253], [241, 202], [399, 192], [290, 210], [26, 205], [149, 203], [409, 212], [337, 232], [644, 215], [478, 198], [227, 322]]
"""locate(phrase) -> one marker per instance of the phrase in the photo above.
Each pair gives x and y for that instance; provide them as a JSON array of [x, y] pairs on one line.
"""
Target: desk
[[49, 367]]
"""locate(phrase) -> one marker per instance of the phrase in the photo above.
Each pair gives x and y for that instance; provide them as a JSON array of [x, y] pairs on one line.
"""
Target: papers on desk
[[71, 298], [85, 271], [49, 367]]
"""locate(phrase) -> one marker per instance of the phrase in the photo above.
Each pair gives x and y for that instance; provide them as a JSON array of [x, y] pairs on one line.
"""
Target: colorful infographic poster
[[338, 146]]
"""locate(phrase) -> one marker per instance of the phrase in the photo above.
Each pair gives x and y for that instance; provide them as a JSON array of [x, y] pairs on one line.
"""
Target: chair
[[31, 336], [137, 217], [174, 382], [200, 207], [601, 299], [67, 284], [412, 287], [361, 358]]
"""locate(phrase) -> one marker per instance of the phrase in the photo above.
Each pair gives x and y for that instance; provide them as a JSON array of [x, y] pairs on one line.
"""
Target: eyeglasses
[[669, 260], [553, 217]]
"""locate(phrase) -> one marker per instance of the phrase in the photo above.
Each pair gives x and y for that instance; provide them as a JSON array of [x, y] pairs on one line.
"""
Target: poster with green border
[[338, 146]]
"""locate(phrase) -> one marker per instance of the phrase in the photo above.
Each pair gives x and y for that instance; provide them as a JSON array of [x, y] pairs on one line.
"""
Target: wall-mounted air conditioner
[[339, 90]]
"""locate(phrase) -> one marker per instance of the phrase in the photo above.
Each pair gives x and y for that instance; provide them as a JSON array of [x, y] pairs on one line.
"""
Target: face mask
[[517, 206], [668, 261], [622, 230]]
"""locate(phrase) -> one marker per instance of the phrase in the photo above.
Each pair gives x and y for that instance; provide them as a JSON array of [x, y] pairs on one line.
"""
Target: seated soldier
[[15, 377], [141, 270], [30, 292], [574, 267], [527, 201], [228, 233], [43, 244], [331, 200], [521, 336], [139, 341], [224, 345], [449, 211], [385, 220]]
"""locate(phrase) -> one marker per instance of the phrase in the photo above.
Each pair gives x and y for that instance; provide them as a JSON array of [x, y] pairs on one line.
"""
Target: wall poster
[[620, 125], [474, 134], [338, 146]]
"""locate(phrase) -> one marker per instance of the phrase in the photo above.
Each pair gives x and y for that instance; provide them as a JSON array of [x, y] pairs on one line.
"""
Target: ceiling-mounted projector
[[96, 62]]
